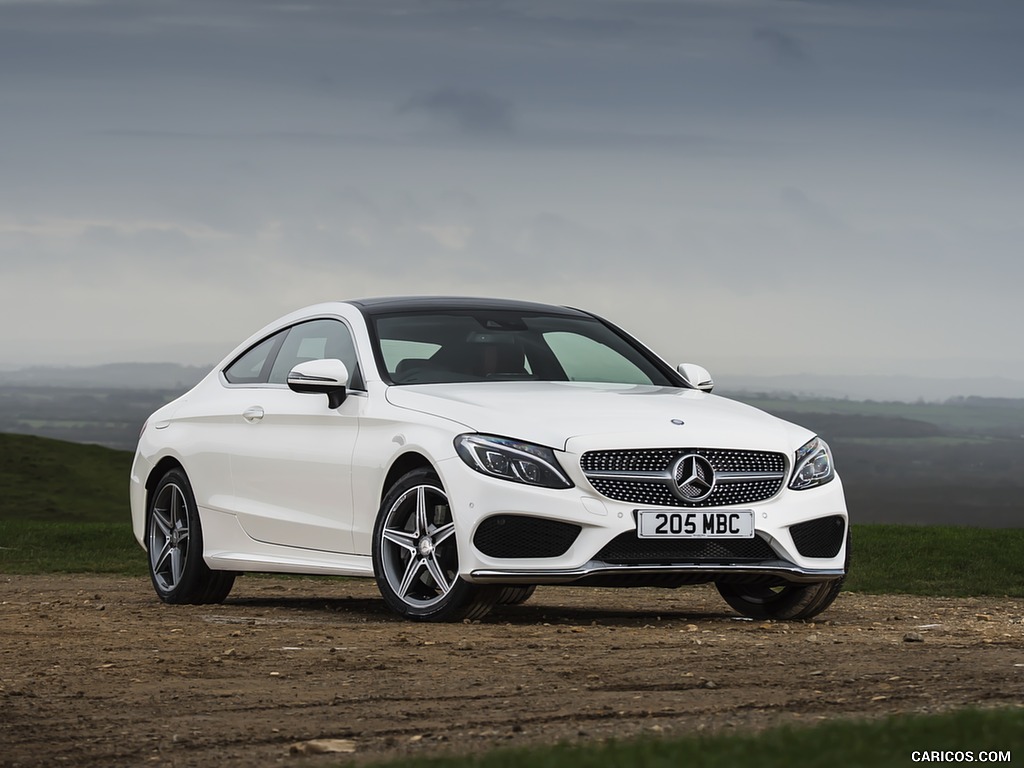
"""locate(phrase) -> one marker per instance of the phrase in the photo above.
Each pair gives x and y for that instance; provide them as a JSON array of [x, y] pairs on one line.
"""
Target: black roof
[[388, 304]]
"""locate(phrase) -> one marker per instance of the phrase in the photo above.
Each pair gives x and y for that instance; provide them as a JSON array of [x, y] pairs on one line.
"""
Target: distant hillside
[[906, 389], [114, 375], [964, 416], [103, 416], [51, 480]]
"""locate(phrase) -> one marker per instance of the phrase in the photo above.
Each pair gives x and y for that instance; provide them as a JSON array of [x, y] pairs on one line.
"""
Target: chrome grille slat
[[644, 475]]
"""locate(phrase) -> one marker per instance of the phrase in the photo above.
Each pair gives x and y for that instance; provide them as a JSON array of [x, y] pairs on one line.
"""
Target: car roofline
[[390, 304]]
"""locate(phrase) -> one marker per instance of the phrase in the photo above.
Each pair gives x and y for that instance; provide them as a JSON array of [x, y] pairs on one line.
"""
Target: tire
[[174, 542], [516, 595], [790, 602], [416, 557]]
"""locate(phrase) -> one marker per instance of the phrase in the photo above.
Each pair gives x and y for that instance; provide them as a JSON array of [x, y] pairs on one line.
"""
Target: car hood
[[578, 416]]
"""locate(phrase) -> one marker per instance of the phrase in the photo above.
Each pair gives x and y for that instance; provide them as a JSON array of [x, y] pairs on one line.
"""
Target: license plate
[[698, 524]]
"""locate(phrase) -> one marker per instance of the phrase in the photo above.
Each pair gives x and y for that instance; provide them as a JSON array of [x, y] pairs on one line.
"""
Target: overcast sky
[[759, 186]]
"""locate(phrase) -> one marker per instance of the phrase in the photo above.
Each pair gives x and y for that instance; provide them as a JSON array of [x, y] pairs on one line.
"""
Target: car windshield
[[502, 345]]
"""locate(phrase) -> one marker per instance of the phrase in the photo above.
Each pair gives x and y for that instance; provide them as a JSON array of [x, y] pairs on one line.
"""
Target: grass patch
[[53, 480], [937, 560], [882, 743], [29, 546]]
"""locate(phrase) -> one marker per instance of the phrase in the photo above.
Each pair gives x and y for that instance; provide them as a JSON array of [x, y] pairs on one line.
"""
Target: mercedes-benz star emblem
[[694, 477]]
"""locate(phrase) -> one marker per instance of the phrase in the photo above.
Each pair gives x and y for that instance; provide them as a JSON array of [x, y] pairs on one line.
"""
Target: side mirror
[[696, 376], [328, 377]]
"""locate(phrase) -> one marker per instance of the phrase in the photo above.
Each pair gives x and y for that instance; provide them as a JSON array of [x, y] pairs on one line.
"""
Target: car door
[[292, 454]]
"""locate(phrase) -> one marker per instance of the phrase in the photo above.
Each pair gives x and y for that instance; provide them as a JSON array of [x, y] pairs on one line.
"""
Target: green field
[[53, 480], [937, 560], [28, 546], [846, 744]]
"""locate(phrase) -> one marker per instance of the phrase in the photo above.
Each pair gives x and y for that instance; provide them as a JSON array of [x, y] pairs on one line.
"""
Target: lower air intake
[[630, 549], [819, 538], [517, 536]]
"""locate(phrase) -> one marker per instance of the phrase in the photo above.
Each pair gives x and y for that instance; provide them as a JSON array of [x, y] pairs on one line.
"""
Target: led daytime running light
[[512, 460], [813, 465]]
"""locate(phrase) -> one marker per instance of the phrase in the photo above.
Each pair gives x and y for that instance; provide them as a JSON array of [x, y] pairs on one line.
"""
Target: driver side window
[[316, 340]]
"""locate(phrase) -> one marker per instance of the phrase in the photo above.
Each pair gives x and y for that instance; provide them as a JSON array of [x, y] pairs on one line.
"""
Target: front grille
[[629, 549], [742, 477], [510, 536], [819, 538], [657, 459]]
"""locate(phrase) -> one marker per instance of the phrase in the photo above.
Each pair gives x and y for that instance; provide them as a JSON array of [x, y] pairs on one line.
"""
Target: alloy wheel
[[418, 550], [168, 537]]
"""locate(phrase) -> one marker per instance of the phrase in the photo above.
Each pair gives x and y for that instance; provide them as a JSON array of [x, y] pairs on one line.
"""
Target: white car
[[462, 451]]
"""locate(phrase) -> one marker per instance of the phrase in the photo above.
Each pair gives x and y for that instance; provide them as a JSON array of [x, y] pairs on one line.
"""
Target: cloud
[[811, 212], [638, 157], [785, 49], [471, 112]]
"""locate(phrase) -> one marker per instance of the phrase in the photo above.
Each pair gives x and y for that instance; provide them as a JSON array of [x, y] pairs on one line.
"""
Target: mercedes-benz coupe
[[463, 451]]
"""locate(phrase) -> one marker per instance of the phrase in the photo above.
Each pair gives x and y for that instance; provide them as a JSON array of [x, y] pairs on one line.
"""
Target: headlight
[[813, 465], [511, 460]]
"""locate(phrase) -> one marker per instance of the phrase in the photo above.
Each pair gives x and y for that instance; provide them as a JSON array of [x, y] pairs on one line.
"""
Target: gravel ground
[[95, 671]]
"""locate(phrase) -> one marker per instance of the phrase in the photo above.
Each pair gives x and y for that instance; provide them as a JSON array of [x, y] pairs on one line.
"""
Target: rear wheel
[[174, 540], [789, 602], [516, 595], [416, 556]]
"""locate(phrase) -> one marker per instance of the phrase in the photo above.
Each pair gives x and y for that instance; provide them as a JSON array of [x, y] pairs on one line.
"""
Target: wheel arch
[[165, 465], [402, 465]]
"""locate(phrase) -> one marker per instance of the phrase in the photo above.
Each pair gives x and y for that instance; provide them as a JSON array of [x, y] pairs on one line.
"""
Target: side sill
[[342, 565]]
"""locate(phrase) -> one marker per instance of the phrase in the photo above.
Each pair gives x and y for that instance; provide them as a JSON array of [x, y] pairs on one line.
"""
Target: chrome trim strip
[[300, 377], [228, 385], [666, 477], [732, 477], [781, 568]]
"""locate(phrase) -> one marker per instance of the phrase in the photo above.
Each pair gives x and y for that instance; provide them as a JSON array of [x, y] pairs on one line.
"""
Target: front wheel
[[416, 556], [174, 541]]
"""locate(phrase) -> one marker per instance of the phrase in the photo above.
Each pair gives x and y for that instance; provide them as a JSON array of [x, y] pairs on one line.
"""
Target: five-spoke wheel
[[174, 539], [416, 554], [168, 537]]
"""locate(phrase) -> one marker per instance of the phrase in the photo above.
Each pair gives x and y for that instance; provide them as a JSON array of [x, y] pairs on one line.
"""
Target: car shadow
[[533, 613]]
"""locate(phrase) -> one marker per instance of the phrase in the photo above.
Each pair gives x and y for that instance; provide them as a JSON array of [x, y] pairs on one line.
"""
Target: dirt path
[[94, 671]]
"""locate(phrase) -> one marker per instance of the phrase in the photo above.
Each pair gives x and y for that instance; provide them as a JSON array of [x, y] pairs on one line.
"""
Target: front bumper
[[476, 498], [600, 573]]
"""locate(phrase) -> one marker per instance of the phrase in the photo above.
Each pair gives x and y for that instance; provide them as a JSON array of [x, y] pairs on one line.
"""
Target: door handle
[[252, 414]]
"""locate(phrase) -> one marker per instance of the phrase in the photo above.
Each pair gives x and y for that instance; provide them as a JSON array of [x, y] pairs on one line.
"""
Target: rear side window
[[253, 367]]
